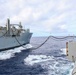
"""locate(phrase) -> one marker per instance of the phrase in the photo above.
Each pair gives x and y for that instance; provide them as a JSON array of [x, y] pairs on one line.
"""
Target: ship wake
[[11, 53], [50, 64]]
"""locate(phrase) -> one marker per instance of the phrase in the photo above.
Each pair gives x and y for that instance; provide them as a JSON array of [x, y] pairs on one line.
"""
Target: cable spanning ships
[[13, 36]]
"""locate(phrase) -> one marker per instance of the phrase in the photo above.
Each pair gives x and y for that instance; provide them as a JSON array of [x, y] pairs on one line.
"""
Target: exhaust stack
[[8, 27]]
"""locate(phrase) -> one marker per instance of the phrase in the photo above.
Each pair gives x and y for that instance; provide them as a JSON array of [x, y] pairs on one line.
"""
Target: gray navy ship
[[13, 36]]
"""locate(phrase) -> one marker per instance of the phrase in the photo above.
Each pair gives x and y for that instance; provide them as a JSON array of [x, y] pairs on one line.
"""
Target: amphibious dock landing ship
[[13, 35]]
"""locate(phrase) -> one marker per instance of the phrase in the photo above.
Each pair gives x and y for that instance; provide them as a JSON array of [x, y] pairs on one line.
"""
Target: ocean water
[[50, 59]]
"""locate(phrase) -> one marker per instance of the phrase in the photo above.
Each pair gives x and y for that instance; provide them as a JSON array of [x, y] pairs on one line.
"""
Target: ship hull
[[7, 43]]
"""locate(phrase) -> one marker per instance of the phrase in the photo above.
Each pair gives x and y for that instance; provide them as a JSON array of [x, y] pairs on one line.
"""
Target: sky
[[42, 17]]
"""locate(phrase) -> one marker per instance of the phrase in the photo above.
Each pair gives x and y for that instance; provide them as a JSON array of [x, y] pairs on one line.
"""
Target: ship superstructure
[[13, 35], [71, 54]]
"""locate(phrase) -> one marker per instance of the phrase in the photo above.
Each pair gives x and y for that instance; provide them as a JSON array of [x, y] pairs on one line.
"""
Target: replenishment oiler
[[13, 36]]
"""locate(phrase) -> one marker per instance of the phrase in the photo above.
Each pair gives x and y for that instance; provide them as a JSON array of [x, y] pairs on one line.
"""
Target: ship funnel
[[8, 27]]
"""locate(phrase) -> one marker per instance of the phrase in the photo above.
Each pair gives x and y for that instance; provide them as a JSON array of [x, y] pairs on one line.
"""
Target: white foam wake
[[11, 53], [54, 66], [32, 59], [63, 50]]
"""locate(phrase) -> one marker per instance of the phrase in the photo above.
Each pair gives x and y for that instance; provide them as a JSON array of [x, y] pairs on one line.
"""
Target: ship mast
[[8, 27]]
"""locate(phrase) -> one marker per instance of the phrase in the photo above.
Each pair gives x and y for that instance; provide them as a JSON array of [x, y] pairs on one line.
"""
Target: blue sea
[[49, 59]]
